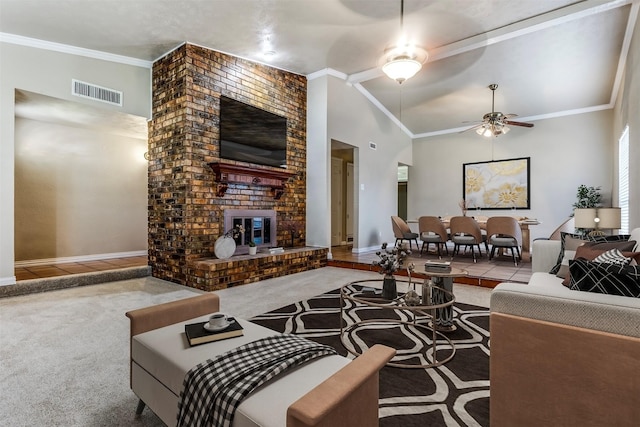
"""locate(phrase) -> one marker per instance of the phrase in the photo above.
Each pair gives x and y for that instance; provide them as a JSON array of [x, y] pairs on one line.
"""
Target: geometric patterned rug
[[453, 394]]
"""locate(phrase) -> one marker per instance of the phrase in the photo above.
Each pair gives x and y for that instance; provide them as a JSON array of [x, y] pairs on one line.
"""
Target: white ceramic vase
[[224, 247], [253, 250]]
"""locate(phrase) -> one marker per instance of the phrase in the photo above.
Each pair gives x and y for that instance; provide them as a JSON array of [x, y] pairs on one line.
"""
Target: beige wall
[[50, 73], [78, 192]]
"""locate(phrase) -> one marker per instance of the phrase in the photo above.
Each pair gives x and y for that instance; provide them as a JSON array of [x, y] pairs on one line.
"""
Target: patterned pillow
[[605, 278], [614, 238], [571, 245], [569, 242], [613, 256]]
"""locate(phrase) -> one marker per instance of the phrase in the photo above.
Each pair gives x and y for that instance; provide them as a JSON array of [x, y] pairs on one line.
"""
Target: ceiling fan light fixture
[[401, 68], [404, 60], [492, 129]]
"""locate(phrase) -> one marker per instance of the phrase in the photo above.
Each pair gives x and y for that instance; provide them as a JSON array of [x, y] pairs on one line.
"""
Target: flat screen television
[[250, 134]]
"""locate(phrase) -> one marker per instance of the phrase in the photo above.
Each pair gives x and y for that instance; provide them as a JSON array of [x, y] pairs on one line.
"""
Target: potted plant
[[253, 249], [587, 197], [390, 261]]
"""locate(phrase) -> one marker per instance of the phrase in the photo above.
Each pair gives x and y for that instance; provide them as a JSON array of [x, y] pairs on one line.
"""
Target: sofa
[[563, 357], [330, 391]]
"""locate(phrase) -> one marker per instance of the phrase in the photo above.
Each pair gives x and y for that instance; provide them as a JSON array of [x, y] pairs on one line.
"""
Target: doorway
[[403, 180], [343, 203]]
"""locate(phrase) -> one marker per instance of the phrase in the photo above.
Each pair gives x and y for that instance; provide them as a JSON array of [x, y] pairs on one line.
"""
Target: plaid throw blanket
[[212, 390]]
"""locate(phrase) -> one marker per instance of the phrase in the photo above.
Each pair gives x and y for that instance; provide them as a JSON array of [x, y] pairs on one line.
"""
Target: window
[[623, 180]]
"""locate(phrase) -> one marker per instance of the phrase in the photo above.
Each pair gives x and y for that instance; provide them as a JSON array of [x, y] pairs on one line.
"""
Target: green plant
[[588, 197], [252, 243]]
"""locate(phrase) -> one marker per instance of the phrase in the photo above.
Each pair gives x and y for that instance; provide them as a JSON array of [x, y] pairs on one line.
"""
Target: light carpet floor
[[64, 355]]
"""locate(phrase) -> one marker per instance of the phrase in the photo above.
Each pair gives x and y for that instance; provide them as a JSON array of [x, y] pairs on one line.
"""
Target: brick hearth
[[212, 274]]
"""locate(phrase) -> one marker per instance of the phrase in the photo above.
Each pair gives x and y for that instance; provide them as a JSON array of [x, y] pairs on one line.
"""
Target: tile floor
[[499, 269]]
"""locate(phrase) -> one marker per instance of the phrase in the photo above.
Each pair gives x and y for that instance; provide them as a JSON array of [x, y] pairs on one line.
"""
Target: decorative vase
[[412, 298], [253, 250], [224, 247], [389, 288]]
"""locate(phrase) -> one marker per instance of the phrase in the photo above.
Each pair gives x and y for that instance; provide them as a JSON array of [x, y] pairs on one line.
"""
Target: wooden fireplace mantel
[[229, 173]]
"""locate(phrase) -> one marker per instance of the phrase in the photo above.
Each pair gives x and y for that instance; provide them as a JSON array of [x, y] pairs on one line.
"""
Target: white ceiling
[[549, 57]]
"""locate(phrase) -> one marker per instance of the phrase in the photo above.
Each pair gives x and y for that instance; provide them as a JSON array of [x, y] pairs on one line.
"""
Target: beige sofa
[[330, 391], [561, 357]]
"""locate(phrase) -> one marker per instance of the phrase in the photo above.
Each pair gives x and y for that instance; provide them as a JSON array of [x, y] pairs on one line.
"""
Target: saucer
[[217, 328]]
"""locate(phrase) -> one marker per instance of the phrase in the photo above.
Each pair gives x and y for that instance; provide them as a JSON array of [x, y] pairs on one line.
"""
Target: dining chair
[[466, 232], [504, 232], [432, 231], [402, 231]]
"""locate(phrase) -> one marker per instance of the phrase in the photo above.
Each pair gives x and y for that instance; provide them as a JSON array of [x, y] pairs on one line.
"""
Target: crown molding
[[73, 50]]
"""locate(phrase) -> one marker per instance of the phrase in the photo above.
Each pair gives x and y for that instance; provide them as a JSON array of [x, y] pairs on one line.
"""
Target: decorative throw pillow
[[613, 238], [590, 251], [569, 242], [613, 256], [605, 278], [623, 245]]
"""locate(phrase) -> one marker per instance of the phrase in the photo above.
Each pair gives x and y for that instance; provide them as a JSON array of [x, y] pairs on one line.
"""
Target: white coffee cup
[[218, 320]]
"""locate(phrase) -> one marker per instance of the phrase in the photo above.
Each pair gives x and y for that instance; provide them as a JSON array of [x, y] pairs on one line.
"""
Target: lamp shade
[[610, 218], [585, 218]]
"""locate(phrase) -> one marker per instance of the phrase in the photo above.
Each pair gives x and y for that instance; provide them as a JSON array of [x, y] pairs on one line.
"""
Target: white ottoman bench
[[330, 391]]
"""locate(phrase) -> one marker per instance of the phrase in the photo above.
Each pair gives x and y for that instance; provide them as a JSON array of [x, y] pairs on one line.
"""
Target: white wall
[[565, 152], [78, 192], [49, 73], [352, 119], [318, 165]]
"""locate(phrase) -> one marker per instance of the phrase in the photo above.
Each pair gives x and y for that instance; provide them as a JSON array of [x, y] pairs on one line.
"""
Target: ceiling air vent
[[97, 93]]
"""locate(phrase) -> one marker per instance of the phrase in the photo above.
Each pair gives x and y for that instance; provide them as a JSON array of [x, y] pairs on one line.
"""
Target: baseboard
[[4, 281], [81, 258], [369, 249]]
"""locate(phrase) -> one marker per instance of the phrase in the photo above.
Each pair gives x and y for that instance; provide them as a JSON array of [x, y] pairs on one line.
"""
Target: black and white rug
[[454, 394]]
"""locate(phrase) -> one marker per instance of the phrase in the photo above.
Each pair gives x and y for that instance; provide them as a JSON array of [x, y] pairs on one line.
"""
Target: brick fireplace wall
[[185, 214]]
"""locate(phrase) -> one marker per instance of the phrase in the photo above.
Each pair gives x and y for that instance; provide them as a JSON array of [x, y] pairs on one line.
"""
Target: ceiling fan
[[495, 123]]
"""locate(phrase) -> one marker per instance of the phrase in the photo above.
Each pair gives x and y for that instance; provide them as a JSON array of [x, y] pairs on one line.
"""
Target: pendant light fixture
[[405, 60]]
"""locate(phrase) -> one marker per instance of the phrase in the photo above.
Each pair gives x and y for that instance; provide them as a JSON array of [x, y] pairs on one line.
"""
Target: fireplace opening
[[259, 226]]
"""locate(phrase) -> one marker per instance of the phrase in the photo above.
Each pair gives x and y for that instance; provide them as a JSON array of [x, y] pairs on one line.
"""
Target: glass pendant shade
[[492, 129], [401, 68]]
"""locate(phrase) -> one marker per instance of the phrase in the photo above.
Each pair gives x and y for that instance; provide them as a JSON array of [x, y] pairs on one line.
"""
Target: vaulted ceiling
[[549, 57]]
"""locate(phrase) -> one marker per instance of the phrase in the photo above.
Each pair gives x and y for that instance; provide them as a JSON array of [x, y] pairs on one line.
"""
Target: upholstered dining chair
[[504, 232], [402, 231], [432, 231], [466, 232]]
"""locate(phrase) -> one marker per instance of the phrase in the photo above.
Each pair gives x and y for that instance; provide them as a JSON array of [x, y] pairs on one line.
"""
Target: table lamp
[[597, 219]]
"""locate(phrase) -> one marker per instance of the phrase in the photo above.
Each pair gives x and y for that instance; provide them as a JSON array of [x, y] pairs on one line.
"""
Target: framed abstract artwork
[[498, 184]]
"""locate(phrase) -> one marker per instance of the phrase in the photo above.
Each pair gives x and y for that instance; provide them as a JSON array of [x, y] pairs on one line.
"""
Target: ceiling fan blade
[[526, 125], [510, 115]]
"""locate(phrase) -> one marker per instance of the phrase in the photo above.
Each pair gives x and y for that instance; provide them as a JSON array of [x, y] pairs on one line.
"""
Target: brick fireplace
[[191, 187]]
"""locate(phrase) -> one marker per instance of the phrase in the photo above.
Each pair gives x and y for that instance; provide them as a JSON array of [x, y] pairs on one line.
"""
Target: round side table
[[443, 320]]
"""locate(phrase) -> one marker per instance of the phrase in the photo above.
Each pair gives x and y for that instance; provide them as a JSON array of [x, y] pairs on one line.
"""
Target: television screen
[[249, 134]]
